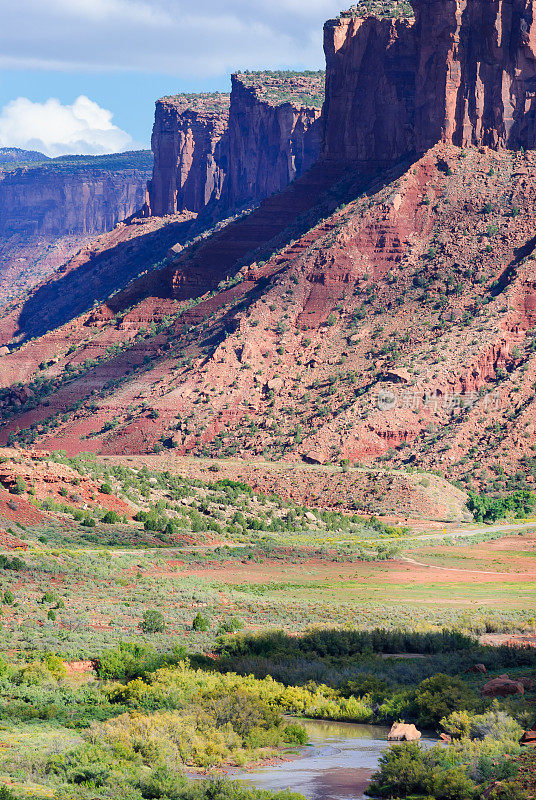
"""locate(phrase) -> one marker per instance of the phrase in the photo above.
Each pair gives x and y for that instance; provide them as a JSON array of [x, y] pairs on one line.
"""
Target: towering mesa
[[476, 77], [235, 149], [189, 143], [460, 71]]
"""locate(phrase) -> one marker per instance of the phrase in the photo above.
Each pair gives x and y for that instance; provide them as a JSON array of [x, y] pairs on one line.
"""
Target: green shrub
[[16, 564], [20, 486], [439, 696], [6, 794], [508, 790], [153, 622], [230, 625], [131, 660], [403, 770], [295, 734], [110, 518], [200, 623], [453, 784]]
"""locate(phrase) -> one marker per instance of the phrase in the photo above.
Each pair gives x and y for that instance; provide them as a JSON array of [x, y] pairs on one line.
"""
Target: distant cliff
[[235, 149], [50, 209], [459, 72], [81, 195]]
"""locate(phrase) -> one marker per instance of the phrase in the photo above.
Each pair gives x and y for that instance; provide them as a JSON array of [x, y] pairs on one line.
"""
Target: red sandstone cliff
[[398, 325], [237, 150], [462, 72], [476, 78], [65, 198], [370, 89], [274, 132], [190, 155]]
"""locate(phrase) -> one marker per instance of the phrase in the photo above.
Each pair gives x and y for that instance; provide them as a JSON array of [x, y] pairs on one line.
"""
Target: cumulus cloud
[[55, 129], [175, 37]]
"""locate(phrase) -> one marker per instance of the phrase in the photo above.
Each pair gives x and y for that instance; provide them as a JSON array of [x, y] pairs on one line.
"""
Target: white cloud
[[174, 37], [55, 129]]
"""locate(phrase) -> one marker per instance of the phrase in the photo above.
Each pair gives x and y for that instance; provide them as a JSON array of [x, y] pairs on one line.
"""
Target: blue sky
[[65, 63]]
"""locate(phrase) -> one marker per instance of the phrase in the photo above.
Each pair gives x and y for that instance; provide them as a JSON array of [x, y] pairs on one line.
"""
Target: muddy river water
[[337, 765]]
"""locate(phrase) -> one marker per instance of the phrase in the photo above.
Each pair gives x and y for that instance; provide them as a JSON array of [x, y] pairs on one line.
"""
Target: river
[[337, 765]]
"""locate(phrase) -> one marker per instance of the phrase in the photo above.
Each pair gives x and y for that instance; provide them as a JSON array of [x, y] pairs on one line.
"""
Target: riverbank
[[338, 764]]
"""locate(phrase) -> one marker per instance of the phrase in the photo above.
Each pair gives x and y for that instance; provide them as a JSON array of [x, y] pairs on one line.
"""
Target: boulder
[[502, 687], [398, 376], [315, 457], [478, 669], [529, 738], [402, 732]]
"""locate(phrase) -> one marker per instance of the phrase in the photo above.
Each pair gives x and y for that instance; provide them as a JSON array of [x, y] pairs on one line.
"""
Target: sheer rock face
[[51, 204], [476, 79], [190, 151], [48, 213], [271, 143], [462, 72], [233, 150], [370, 89]]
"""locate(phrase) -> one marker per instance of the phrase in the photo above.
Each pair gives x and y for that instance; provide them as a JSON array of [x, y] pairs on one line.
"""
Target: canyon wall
[[370, 89], [461, 72], [48, 211], [47, 203], [274, 132], [476, 77], [237, 149], [190, 152]]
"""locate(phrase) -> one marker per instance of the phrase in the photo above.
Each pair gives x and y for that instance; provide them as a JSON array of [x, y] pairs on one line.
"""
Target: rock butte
[[236, 149], [461, 72]]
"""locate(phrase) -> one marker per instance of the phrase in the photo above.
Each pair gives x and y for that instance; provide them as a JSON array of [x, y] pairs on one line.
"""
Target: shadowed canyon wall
[[370, 89], [49, 210], [235, 149], [52, 204]]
